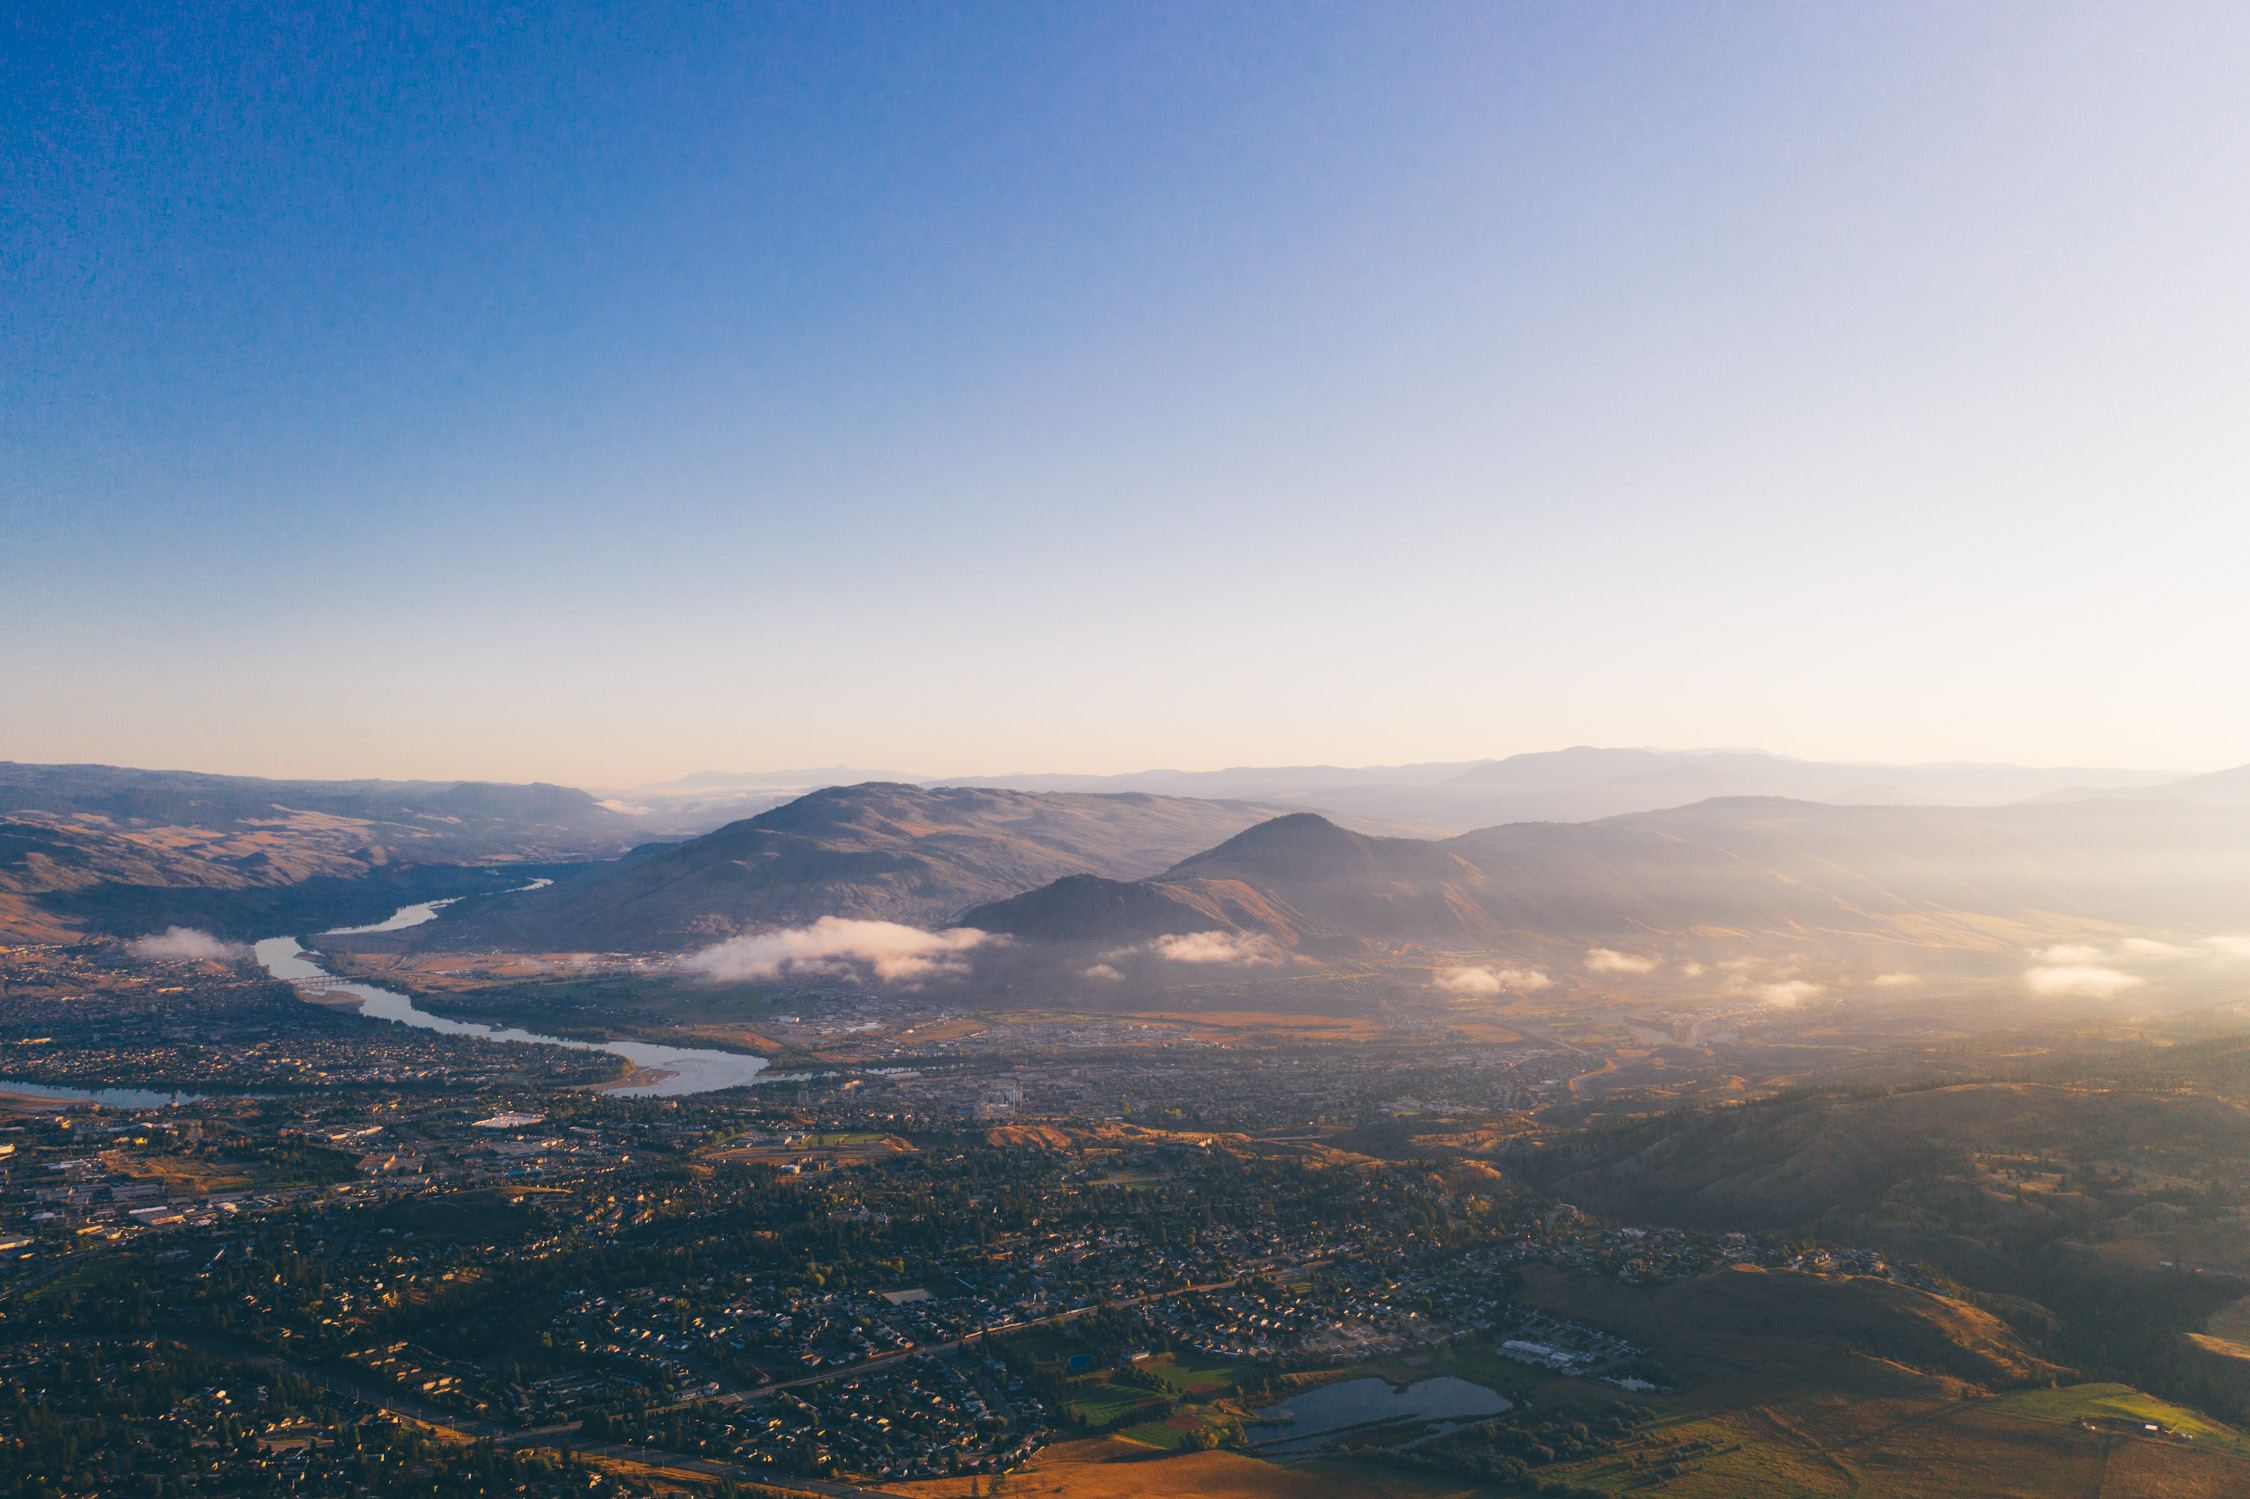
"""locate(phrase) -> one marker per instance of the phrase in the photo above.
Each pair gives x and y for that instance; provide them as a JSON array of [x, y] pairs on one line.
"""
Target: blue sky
[[598, 394]]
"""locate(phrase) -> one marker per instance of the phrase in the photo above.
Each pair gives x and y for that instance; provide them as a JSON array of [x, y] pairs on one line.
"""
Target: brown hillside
[[96, 847], [1797, 1161], [1816, 1327]]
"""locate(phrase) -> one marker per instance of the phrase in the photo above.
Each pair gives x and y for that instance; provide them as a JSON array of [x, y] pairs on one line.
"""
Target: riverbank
[[634, 1081]]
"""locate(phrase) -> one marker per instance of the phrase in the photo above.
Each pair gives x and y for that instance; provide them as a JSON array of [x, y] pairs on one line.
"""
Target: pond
[[1317, 1415]]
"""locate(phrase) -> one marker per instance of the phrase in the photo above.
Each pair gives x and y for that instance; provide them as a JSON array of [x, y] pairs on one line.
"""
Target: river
[[688, 1069], [672, 1070]]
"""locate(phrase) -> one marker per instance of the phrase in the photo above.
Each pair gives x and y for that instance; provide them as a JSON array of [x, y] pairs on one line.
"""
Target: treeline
[[1509, 1449]]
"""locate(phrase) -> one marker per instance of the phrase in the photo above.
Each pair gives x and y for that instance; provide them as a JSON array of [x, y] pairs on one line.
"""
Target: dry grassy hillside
[[1745, 1317], [1792, 1162], [96, 848]]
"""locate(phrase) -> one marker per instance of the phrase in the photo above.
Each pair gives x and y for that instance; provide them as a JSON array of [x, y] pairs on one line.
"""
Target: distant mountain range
[[1716, 879], [1585, 783], [883, 851], [710, 799], [1721, 875], [1442, 797], [2221, 788], [94, 848]]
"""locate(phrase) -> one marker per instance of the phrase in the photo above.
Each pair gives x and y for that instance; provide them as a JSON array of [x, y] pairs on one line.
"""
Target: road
[[1057, 1318], [1608, 1064]]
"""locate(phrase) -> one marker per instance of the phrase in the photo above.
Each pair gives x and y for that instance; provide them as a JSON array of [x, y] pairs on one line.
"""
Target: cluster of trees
[[1508, 1450]]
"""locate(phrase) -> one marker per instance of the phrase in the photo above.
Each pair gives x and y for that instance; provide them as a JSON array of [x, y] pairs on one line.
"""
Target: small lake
[[1322, 1413], [693, 1069]]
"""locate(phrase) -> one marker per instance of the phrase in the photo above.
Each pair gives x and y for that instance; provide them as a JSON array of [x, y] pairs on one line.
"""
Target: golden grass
[[1114, 1468], [2162, 1471], [183, 1175]]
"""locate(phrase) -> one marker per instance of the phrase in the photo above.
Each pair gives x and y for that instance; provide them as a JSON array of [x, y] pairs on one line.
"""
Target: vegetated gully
[[677, 1069]]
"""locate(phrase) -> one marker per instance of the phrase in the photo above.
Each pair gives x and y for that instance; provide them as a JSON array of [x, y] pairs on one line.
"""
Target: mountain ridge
[[107, 848], [882, 851], [1974, 880]]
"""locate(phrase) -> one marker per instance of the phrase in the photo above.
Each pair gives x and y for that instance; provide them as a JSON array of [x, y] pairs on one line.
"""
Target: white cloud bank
[[1788, 992], [2080, 981], [1483, 981], [1604, 960], [2077, 970], [834, 944], [181, 944], [1203, 947]]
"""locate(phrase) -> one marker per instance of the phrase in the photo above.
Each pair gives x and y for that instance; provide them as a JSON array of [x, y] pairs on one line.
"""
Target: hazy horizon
[[786, 775]]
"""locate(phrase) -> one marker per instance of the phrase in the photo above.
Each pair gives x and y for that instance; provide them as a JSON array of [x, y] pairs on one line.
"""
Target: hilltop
[[1299, 879]]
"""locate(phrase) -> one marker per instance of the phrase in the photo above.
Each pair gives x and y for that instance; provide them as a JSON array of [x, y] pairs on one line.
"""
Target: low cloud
[[1102, 971], [2080, 981], [182, 944], [1892, 980], [2083, 971], [1205, 947], [1788, 992], [835, 945], [1692, 970], [1483, 981], [1603, 960], [1216, 947]]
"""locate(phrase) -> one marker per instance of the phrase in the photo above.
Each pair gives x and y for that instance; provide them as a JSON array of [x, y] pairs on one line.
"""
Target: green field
[[2116, 1402], [830, 1141], [1184, 1375], [2027, 1443], [1104, 1401], [1156, 1434]]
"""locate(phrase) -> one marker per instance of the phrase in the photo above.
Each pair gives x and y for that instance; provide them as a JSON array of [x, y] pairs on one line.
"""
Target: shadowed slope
[[1984, 881], [1300, 880]]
